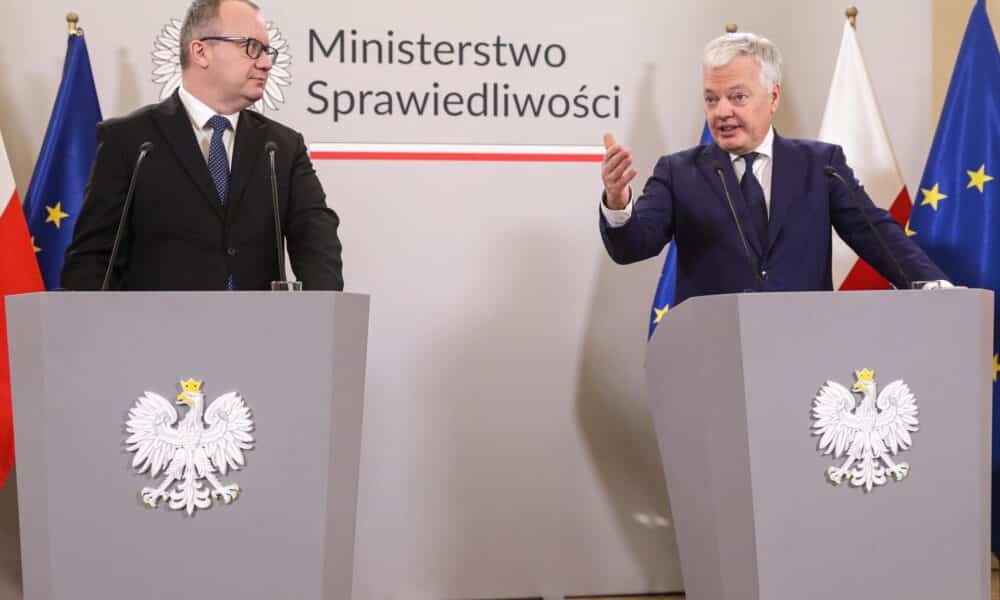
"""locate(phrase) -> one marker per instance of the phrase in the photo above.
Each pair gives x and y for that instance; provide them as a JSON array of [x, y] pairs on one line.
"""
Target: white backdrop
[[507, 450]]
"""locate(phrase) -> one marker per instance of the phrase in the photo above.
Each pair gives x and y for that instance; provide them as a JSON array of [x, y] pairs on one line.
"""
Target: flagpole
[[852, 15], [72, 21]]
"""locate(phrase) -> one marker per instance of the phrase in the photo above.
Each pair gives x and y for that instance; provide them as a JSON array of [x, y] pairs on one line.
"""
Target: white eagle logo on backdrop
[[167, 65], [869, 435], [205, 442]]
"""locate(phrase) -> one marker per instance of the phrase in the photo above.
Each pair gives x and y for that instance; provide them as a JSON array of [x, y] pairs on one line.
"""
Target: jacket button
[[231, 251]]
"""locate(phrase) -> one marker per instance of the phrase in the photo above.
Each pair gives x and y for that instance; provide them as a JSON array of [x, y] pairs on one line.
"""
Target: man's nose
[[723, 108]]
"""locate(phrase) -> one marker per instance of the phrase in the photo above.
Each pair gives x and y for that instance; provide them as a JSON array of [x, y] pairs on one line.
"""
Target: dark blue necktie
[[218, 162], [218, 167], [753, 195]]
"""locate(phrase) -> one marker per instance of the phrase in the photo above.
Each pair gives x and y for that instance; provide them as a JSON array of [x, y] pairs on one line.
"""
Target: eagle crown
[[190, 392], [865, 381], [191, 385]]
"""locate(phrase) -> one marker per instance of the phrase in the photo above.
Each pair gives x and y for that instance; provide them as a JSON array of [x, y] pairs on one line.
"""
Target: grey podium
[[280, 526], [738, 391]]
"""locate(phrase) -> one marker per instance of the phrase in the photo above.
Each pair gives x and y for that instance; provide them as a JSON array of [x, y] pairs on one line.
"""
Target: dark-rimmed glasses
[[253, 47]]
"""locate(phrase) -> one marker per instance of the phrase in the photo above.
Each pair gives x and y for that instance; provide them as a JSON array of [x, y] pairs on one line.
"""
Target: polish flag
[[18, 274], [853, 120]]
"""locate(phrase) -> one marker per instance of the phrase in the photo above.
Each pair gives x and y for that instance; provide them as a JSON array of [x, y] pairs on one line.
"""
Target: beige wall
[[949, 18]]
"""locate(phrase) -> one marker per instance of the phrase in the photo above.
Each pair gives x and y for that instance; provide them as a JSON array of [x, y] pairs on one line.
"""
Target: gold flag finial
[[731, 28], [852, 16], [72, 20]]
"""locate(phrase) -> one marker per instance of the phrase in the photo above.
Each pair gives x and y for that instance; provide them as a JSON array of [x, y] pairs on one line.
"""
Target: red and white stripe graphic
[[18, 274], [457, 152], [852, 119]]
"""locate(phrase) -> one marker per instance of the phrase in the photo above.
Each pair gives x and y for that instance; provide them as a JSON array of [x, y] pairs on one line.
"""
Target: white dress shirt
[[200, 113], [762, 169]]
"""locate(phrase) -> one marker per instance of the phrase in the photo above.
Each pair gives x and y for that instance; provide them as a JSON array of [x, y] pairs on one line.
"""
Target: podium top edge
[[845, 293], [174, 294]]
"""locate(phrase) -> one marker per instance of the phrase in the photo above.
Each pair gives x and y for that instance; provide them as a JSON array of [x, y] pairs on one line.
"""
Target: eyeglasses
[[253, 47]]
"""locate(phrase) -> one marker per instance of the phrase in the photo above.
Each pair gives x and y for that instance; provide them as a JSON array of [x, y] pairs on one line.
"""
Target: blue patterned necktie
[[218, 167], [753, 195], [218, 162]]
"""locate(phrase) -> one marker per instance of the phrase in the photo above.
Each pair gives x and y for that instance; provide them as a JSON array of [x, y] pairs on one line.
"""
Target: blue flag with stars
[[666, 289], [956, 219], [55, 193]]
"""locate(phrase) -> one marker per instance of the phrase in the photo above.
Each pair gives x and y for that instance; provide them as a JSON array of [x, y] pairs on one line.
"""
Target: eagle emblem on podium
[[206, 444], [868, 435]]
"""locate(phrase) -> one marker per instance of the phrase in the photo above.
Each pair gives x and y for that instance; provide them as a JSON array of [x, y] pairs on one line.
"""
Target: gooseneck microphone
[[271, 148], [144, 150], [831, 172], [717, 167]]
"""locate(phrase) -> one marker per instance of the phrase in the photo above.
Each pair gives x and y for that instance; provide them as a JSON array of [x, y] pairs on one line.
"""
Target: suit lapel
[[787, 183], [714, 155], [248, 149], [175, 126]]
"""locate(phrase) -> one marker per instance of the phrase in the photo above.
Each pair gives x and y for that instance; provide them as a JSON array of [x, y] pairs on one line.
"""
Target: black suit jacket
[[178, 236]]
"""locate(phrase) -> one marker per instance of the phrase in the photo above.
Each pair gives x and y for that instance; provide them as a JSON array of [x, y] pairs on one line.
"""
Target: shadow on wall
[[10, 552], [129, 97], [516, 386], [611, 405], [787, 120], [511, 419]]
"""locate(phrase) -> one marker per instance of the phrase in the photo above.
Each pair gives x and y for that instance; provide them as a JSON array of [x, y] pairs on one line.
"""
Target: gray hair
[[723, 49], [202, 16]]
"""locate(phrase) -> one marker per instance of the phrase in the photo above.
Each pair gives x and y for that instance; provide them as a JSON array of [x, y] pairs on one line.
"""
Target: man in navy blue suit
[[775, 234]]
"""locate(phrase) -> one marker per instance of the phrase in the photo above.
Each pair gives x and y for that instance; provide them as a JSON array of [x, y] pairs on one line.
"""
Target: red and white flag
[[853, 120], [18, 274]]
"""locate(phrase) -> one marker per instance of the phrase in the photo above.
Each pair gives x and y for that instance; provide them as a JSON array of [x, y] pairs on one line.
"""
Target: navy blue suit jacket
[[684, 201]]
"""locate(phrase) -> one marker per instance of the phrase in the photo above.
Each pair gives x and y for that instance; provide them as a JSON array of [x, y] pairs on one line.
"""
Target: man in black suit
[[202, 215]]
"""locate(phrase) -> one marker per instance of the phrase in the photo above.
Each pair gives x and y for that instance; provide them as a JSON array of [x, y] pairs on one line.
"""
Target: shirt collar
[[766, 147], [199, 112]]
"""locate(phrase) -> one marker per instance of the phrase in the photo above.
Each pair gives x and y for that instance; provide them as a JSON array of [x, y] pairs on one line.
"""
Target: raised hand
[[616, 172]]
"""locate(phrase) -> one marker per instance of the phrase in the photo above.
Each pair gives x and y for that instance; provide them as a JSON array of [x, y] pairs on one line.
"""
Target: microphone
[[271, 148], [717, 167], [144, 150], [831, 172]]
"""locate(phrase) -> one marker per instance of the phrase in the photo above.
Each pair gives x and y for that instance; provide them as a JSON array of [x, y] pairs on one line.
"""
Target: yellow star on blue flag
[[56, 214], [932, 196], [979, 178], [659, 313]]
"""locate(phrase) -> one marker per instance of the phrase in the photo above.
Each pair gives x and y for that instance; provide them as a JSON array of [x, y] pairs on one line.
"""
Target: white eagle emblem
[[869, 435], [167, 65], [204, 443]]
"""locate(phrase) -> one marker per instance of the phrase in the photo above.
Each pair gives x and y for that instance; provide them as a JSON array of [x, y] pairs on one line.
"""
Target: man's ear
[[775, 97], [198, 51]]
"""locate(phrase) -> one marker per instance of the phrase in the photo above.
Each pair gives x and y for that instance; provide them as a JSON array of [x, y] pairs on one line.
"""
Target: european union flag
[[956, 219], [666, 289], [56, 190]]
